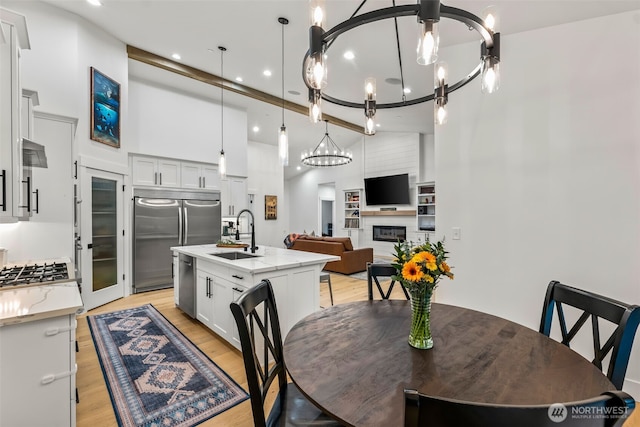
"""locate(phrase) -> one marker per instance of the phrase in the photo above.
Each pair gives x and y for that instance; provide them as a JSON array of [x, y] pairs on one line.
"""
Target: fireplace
[[389, 233]]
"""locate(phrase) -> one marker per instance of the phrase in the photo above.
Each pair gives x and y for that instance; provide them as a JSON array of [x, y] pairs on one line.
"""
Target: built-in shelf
[[389, 213]]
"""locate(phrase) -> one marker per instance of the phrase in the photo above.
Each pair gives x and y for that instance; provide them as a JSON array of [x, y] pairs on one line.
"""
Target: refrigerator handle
[[179, 225], [186, 226]]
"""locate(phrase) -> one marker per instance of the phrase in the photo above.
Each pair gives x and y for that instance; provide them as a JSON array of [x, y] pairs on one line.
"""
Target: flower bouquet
[[418, 269]]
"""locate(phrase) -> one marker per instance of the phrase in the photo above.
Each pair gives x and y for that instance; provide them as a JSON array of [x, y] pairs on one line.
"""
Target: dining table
[[354, 361]]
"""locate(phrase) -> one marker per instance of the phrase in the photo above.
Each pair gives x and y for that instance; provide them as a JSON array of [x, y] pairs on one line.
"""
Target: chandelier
[[327, 153], [428, 13]]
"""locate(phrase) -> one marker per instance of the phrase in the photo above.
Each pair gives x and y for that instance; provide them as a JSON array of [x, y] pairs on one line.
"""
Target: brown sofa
[[351, 260]]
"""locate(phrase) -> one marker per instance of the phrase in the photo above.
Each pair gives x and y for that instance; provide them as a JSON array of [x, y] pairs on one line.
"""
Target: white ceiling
[[250, 31]]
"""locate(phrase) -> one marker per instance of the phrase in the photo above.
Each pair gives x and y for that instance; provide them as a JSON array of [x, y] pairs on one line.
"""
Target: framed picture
[[270, 207], [105, 109]]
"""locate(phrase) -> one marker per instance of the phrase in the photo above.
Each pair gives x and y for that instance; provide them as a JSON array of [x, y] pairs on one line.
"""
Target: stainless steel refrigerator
[[166, 218]]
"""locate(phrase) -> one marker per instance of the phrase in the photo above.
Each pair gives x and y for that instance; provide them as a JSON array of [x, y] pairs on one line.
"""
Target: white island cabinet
[[294, 275], [38, 355]]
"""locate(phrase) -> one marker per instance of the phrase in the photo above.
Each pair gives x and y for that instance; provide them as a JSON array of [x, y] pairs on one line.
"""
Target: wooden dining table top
[[353, 361]]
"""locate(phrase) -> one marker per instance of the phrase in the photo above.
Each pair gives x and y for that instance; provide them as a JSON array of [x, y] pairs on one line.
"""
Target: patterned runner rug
[[157, 377]]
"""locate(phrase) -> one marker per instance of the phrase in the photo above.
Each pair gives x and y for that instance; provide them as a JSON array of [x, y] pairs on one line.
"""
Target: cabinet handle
[[75, 174], [238, 290], [4, 190], [204, 185], [208, 287], [28, 206], [199, 182], [237, 277], [160, 178], [155, 177], [37, 209], [48, 379]]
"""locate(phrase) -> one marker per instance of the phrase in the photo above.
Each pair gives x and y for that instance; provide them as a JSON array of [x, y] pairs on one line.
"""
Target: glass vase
[[420, 334]]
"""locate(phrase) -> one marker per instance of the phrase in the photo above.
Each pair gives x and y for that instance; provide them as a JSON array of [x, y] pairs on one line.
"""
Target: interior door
[[103, 245]]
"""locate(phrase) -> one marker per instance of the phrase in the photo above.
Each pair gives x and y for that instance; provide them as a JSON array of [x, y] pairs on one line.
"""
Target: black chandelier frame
[[318, 38]]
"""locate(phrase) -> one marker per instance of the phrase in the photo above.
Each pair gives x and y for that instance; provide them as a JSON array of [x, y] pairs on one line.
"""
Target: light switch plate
[[455, 233]]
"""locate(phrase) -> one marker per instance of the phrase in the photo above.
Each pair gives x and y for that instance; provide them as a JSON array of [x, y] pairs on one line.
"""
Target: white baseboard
[[633, 388]]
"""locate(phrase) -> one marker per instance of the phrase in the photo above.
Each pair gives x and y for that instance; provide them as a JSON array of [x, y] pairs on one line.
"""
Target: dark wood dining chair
[[610, 409], [374, 271], [259, 332], [626, 318]]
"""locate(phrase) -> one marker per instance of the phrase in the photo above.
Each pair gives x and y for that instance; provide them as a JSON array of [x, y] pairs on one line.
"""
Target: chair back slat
[[374, 271], [429, 411], [266, 327], [626, 318]]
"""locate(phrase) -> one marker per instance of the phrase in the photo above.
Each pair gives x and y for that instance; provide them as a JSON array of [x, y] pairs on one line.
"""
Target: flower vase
[[420, 334]]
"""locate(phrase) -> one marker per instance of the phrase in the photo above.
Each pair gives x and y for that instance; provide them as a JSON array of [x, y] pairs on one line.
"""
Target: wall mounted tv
[[387, 190]]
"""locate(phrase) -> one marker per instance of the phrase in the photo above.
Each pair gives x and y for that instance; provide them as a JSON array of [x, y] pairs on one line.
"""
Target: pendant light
[[283, 139], [222, 163]]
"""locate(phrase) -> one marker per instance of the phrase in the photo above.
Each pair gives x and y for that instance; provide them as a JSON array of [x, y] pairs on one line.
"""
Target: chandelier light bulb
[[370, 126], [428, 43], [314, 112], [490, 17], [441, 114], [490, 76], [317, 17]]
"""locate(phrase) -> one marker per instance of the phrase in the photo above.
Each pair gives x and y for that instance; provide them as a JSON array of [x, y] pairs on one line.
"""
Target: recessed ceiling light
[[377, 125], [239, 79], [407, 90], [298, 168], [176, 56], [267, 73], [256, 129], [94, 2], [348, 55]]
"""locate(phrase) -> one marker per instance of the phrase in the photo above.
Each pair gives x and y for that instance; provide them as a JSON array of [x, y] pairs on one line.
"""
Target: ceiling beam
[[208, 78]]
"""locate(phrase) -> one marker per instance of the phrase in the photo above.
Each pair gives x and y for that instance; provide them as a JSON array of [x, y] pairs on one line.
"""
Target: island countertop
[[267, 258]]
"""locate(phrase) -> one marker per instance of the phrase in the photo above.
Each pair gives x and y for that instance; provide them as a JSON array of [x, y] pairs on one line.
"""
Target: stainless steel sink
[[234, 255]]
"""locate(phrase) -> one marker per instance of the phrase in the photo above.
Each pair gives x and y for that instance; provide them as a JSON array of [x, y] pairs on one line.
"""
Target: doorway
[[326, 208]]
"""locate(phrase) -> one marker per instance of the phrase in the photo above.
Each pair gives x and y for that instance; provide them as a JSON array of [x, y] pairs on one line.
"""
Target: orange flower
[[424, 256], [445, 267], [411, 271]]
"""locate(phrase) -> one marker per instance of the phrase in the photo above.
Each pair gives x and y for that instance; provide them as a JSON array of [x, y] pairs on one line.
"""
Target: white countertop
[[28, 303], [268, 259]]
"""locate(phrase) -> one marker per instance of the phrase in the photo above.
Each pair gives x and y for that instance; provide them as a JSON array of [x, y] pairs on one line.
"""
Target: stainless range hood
[[33, 154]]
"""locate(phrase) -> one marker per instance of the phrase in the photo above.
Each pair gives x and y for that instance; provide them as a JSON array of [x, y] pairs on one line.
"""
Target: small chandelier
[[327, 153], [428, 13]]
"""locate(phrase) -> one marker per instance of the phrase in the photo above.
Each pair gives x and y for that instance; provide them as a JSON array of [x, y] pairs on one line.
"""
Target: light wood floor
[[95, 409]]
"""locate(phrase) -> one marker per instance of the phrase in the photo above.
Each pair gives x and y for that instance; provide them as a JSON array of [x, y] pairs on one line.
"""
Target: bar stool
[[326, 277]]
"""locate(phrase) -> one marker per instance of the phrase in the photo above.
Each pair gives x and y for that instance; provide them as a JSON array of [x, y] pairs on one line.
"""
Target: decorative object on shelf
[[222, 162], [270, 207], [419, 269], [105, 109], [327, 153], [428, 13], [283, 139]]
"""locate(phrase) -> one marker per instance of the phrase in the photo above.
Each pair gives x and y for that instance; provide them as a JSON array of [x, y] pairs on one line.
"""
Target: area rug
[[156, 377]]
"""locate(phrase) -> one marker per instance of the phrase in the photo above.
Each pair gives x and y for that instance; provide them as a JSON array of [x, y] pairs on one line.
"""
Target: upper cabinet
[[199, 175], [155, 171], [14, 194]]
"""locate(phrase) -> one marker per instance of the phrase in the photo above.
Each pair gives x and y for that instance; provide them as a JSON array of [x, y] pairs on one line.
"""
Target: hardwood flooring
[[95, 409]]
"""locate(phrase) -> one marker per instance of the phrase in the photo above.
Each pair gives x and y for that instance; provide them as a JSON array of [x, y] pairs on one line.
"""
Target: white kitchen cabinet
[[14, 39], [30, 193], [40, 371], [234, 196], [155, 171], [200, 176], [204, 296]]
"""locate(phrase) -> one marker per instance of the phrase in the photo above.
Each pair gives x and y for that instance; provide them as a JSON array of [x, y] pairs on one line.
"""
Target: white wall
[[170, 123], [542, 177], [266, 177]]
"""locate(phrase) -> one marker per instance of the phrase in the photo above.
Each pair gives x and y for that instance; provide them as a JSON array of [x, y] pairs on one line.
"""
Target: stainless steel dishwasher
[[187, 284]]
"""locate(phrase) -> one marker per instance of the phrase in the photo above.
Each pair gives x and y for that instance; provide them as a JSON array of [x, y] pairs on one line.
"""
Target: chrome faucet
[[253, 230]]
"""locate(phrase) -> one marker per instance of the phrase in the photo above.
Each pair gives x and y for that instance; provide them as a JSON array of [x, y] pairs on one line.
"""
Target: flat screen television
[[387, 190]]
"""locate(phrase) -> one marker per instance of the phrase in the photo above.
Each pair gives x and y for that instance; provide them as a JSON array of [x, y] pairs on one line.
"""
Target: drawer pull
[[48, 379], [238, 290], [237, 277]]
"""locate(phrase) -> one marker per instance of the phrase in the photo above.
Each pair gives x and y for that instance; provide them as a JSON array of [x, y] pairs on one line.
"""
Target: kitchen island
[[294, 275]]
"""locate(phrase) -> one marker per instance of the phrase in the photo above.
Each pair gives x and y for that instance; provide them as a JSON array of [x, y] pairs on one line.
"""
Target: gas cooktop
[[34, 274]]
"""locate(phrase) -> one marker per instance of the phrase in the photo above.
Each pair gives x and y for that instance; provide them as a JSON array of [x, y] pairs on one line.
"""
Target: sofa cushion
[[346, 241], [312, 237]]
